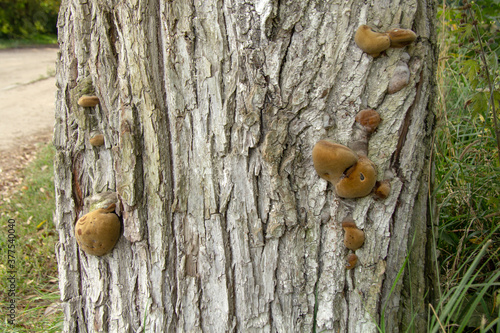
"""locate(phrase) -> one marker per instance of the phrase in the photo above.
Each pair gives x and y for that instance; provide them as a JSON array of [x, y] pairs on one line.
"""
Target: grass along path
[[31, 260]]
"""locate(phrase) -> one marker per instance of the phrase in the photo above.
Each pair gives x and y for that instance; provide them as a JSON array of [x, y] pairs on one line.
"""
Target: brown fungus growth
[[400, 78], [366, 123], [331, 160], [97, 140], [88, 101], [401, 37], [354, 237], [98, 231], [369, 119], [382, 189], [358, 181], [352, 260], [370, 41]]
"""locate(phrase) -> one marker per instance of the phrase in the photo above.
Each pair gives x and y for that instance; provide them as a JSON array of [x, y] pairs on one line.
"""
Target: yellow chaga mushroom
[[352, 260], [358, 181], [354, 237], [369, 119], [88, 101], [382, 189], [370, 41], [98, 231], [401, 37], [331, 160], [97, 140]]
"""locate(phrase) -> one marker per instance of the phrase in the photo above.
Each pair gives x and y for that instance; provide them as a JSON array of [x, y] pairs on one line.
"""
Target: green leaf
[[479, 104]]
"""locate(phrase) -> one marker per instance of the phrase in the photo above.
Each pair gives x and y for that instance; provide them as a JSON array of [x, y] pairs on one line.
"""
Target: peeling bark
[[209, 111]]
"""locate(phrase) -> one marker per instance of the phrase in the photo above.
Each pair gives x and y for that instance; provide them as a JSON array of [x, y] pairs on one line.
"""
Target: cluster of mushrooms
[[349, 169], [98, 231]]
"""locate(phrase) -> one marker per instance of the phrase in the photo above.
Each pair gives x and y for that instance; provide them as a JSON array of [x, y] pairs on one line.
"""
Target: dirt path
[[27, 95], [27, 92]]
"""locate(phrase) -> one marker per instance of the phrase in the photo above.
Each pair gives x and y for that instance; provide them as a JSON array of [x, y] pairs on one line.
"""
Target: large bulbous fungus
[[401, 37], [88, 101], [369, 119], [97, 140], [98, 231], [331, 160], [370, 41], [400, 78], [352, 260], [354, 237], [358, 181]]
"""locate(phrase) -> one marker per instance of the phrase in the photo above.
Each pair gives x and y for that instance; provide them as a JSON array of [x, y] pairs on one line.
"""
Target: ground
[[27, 95]]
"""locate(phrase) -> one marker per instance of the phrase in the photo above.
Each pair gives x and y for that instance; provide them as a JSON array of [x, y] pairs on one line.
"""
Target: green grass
[[32, 208], [467, 183], [36, 40]]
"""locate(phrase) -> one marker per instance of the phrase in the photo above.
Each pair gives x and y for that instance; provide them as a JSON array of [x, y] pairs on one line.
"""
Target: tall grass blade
[[456, 298]]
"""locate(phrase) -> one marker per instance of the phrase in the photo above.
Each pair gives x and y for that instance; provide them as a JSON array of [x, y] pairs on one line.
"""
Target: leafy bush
[[22, 19]]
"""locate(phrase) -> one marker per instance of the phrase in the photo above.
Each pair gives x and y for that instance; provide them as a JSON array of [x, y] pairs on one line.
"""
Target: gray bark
[[210, 110]]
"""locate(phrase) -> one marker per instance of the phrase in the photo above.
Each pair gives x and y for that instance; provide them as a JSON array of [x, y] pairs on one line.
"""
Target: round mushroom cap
[[88, 101], [382, 189], [98, 231], [401, 37], [369, 119], [370, 41], [354, 237], [359, 180], [97, 140], [352, 260], [332, 159]]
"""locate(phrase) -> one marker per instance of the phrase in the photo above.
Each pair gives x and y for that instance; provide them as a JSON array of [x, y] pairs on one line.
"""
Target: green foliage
[[474, 48], [27, 19], [467, 148]]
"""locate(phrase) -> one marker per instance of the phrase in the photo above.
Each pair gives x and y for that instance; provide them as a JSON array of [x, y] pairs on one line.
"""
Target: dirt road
[[27, 100], [27, 94]]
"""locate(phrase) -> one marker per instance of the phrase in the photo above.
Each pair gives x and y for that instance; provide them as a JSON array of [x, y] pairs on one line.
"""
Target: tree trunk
[[209, 111]]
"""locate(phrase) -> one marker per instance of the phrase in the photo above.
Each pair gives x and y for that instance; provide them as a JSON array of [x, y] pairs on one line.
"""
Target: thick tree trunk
[[210, 110]]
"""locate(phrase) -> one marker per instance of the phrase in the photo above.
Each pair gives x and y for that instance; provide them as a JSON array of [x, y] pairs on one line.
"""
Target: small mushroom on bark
[[369, 119], [401, 37], [331, 160], [98, 231], [382, 189], [366, 123], [370, 41], [354, 237], [352, 260], [97, 140], [88, 101]]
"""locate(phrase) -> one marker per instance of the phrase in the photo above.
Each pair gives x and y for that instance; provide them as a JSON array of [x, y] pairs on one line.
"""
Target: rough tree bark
[[210, 110]]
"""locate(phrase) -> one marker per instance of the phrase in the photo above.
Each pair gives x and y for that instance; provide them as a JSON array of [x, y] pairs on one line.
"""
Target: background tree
[[210, 111]]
